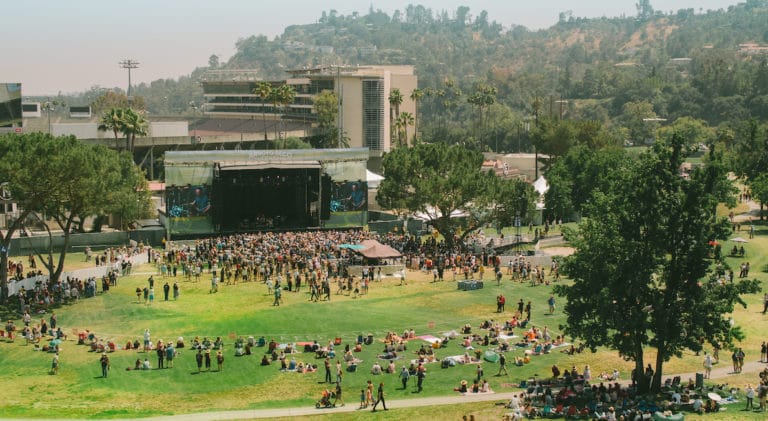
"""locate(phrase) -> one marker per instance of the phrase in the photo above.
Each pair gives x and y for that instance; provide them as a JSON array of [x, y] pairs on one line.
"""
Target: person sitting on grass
[[462, 387], [376, 369]]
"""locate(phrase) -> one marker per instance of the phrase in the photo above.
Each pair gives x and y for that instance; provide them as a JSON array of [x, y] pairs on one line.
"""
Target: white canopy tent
[[541, 185], [373, 179]]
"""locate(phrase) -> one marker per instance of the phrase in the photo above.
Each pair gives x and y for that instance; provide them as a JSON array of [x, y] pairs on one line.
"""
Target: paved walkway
[[723, 369]]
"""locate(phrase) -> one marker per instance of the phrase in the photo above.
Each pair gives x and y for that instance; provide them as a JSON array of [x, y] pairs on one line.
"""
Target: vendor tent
[[373, 249], [541, 186], [373, 179]]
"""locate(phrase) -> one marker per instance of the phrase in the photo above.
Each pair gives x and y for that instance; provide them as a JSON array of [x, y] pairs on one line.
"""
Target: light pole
[[129, 64]]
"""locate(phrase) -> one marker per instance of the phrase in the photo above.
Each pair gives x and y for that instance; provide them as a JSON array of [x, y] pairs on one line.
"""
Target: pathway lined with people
[[751, 368]]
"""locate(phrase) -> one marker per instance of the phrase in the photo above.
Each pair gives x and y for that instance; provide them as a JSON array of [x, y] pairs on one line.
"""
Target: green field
[[245, 309]]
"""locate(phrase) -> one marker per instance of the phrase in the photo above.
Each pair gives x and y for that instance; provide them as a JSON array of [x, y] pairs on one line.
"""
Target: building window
[[373, 114]]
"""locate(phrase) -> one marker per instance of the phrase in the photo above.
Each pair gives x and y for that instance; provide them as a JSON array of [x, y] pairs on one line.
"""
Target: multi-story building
[[363, 92]]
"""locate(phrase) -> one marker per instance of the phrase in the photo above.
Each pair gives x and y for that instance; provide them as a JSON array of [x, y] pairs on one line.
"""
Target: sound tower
[[325, 197]]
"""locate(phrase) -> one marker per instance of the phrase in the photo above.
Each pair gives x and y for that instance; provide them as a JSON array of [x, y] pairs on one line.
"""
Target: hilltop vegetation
[[707, 65]]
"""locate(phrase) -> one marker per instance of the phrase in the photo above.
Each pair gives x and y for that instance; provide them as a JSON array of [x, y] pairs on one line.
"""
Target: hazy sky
[[71, 45]]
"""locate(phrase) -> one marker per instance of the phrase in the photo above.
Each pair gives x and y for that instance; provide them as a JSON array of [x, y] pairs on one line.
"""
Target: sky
[[68, 46]]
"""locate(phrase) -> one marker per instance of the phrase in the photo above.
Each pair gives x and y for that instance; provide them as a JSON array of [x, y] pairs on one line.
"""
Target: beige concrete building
[[365, 114]]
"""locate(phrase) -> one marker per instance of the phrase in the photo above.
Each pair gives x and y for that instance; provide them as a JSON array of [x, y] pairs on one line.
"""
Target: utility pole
[[129, 64]]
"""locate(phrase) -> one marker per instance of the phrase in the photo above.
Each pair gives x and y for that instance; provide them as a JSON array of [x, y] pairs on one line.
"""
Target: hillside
[[709, 65]]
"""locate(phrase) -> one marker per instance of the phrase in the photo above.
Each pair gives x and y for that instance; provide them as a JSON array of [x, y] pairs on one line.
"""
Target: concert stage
[[218, 192]]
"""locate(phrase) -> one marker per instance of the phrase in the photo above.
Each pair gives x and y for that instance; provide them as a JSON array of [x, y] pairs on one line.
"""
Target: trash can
[[699, 380]]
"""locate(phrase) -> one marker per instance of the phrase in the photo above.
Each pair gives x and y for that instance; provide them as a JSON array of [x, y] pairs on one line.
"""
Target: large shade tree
[[66, 181], [641, 276], [439, 181]]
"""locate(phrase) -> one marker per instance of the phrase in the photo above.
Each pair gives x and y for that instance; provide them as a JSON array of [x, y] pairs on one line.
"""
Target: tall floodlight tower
[[129, 64]]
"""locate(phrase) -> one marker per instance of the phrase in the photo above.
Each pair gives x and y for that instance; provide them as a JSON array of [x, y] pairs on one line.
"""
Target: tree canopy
[[67, 181], [641, 273], [439, 181]]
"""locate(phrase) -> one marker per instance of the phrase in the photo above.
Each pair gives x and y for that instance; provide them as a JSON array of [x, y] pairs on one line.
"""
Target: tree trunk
[[5, 246], [4, 274], [642, 383], [656, 385]]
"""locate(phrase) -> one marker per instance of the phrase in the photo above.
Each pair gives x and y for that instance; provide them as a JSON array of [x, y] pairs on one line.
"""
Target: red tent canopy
[[373, 249]]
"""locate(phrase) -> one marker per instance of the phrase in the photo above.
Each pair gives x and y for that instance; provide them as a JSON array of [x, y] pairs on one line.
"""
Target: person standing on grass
[[327, 370], [404, 376], [207, 359], [175, 291], [147, 339], [199, 360], [380, 398], [170, 353], [749, 392], [55, 364], [220, 359], [421, 373], [551, 302], [138, 294], [166, 291], [104, 360], [528, 311]]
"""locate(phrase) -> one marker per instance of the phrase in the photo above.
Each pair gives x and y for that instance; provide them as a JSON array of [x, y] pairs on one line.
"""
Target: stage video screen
[[189, 208], [349, 196], [10, 107]]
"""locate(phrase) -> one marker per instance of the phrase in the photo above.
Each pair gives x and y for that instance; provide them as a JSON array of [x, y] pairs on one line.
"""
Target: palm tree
[[403, 121], [285, 97], [112, 120], [133, 124], [416, 95], [264, 91], [395, 100]]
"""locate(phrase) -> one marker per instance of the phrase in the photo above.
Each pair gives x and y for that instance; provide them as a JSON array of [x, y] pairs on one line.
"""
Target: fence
[[93, 272]]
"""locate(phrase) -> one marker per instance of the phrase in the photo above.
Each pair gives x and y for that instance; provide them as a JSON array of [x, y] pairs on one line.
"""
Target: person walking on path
[[104, 360], [707, 365], [740, 356], [380, 398], [338, 395], [502, 365]]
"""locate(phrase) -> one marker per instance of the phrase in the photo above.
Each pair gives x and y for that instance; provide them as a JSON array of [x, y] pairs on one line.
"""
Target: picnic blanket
[[459, 359], [478, 393], [429, 338], [506, 337], [452, 334]]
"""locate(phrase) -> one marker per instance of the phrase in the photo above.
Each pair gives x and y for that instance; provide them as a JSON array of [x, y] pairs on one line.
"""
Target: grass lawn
[[245, 309]]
